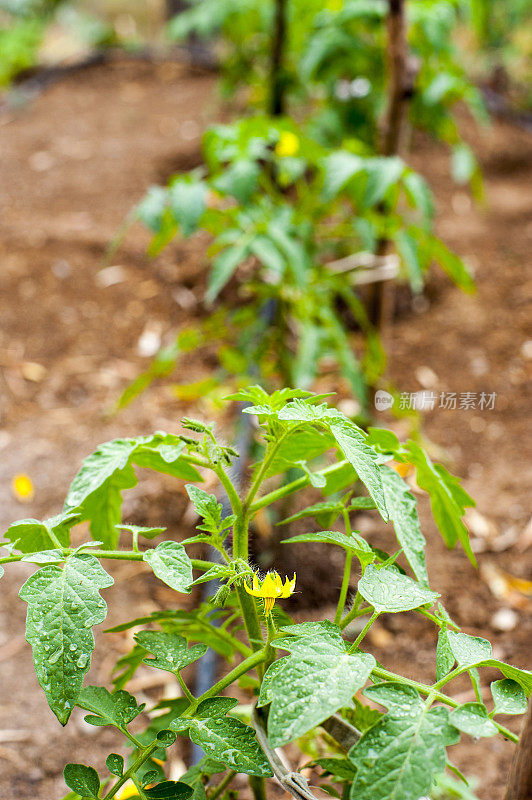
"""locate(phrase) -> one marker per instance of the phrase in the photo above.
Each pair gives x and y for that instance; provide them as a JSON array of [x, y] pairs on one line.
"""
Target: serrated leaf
[[214, 573], [448, 499], [63, 605], [169, 790], [398, 757], [472, 651], [170, 650], [117, 708], [389, 591], [402, 508], [472, 718], [171, 564], [105, 474], [31, 535], [508, 697], [207, 507], [319, 678], [224, 738], [82, 779], [115, 764]]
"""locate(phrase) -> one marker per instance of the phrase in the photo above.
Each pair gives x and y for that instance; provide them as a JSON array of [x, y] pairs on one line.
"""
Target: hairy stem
[[363, 632], [222, 786]]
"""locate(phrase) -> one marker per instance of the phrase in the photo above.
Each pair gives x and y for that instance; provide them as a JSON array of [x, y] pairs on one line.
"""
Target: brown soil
[[73, 163]]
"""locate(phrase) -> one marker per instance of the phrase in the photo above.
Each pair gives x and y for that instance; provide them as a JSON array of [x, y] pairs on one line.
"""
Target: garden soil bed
[[72, 164]]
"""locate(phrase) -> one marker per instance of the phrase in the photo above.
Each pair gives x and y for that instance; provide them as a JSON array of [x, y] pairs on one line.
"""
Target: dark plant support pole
[[520, 780], [399, 90], [277, 76]]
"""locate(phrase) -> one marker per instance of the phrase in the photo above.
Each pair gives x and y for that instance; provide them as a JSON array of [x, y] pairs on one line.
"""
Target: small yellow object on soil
[[22, 488]]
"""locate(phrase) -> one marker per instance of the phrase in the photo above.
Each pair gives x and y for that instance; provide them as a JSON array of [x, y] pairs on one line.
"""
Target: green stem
[[363, 632], [294, 486], [245, 666], [345, 587], [347, 572], [352, 613], [117, 555], [222, 786], [452, 674], [138, 787], [143, 756], [258, 787], [422, 688], [185, 688]]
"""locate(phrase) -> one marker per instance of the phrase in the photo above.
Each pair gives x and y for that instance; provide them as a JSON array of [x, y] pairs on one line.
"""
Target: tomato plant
[[308, 682]]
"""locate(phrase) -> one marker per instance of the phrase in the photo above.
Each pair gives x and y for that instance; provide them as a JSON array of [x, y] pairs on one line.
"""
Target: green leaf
[[341, 768], [171, 564], [508, 697], [63, 605], [448, 499], [187, 197], [31, 535], [162, 453], [452, 265], [353, 543], [468, 651], [444, 655], [223, 267], [402, 508], [472, 718], [240, 180], [418, 192], [398, 758], [82, 779], [115, 764], [169, 790], [409, 251], [389, 591], [224, 738], [463, 164], [151, 208], [170, 650], [338, 170], [268, 254], [139, 530], [314, 682], [382, 174], [117, 708], [97, 488], [350, 439], [472, 651], [206, 506]]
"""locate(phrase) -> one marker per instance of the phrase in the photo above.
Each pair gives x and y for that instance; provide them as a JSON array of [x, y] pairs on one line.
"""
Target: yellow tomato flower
[[271, 589], [288, 145], [22, 487], [128, 790]]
